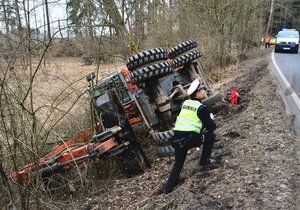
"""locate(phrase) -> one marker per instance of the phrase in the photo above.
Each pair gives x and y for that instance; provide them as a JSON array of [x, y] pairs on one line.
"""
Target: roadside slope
[[256, 147]]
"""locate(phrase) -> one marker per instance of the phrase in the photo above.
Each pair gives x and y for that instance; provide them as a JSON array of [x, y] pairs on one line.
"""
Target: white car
[[287, 40]]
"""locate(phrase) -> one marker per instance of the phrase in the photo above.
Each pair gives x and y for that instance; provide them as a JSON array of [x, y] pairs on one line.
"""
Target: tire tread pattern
[[183, 47], [165, 151], [163, 137], [146, 57], [154, 70], [187, 58]]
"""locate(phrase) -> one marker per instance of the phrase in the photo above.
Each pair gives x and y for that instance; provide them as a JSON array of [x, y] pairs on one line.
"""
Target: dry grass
[[56, 88], [61, 72], [59, 84]]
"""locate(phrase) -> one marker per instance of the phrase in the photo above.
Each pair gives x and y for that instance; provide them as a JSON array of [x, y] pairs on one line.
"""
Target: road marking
[[287, 84]]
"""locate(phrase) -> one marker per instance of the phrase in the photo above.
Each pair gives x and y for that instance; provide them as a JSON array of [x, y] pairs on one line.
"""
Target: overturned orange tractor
[[149, 90]]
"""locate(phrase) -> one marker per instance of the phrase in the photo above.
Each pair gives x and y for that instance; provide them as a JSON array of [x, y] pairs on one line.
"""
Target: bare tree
[[18, 15], [5, 17], [119, 25], [270, 16], [48, 19]]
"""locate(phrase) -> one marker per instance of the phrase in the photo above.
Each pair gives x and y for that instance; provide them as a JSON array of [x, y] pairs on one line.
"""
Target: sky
[[57, 11]]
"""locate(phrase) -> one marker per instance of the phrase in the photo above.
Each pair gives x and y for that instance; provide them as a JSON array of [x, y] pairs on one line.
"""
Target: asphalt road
[[286, 67], [289, 65]]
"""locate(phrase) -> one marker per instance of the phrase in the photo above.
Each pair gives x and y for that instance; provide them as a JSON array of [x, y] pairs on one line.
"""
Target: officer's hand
[[212, 116]]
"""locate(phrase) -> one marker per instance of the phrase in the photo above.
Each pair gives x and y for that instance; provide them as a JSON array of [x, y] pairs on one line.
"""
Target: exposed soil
[[255, 146]]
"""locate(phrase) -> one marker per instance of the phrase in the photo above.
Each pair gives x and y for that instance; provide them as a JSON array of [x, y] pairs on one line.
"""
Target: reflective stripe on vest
[[188, 119]]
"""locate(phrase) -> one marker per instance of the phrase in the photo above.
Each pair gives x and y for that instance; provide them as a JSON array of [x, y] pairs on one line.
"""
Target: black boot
[[207, 162], [167, 190]]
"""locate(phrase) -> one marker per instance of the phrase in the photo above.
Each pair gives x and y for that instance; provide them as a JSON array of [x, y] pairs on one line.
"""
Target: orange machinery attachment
[[72, 152], [131, 109], [132, 87], [133, 113]]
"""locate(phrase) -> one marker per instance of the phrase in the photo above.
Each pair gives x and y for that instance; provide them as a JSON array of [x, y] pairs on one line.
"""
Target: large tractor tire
[[183, 47], [187, 58], [163, 138], [130, 163], [146, 57], [151, 71], [210, 101], [165, 151]]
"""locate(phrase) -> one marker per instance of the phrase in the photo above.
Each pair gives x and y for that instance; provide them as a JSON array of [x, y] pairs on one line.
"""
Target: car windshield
[[288, 34]]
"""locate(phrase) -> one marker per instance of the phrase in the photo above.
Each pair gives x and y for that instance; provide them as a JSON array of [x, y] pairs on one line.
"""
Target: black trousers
[[267, 45], [182, 142]]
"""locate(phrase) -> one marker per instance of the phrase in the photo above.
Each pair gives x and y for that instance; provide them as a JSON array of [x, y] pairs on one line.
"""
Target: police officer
[[189, 133]]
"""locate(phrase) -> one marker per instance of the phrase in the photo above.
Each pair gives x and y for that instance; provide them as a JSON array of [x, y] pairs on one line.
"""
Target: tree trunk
[[48, 19], [59, 28], [90, 23], [270, 16], [44, 22], [18, 15], [139, 30], [36, 25], [5, 17], [119, 25], [67, 21]]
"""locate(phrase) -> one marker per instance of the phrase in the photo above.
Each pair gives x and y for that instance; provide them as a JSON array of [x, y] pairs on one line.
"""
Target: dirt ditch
[[255, 146]]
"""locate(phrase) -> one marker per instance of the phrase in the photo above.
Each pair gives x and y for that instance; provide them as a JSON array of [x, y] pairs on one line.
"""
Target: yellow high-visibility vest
[[188, 119]]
